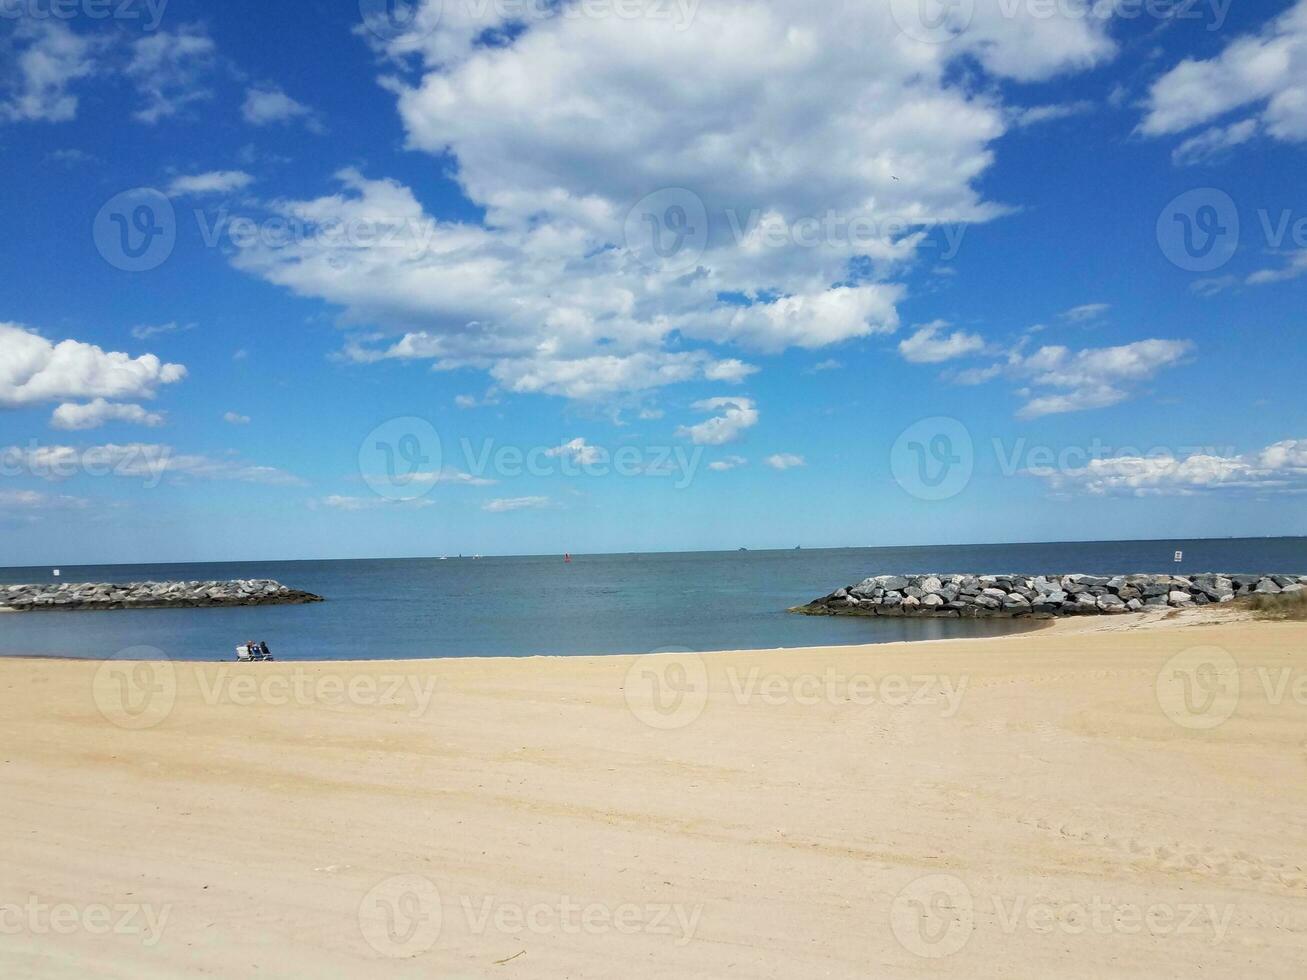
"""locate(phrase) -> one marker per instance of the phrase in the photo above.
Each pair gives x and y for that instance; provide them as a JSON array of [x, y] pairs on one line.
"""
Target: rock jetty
[[151, 595], [1039, 596]]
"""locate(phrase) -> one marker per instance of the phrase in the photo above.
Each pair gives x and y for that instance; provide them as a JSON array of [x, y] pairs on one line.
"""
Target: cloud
[[727, 463], [170, 70], [357, 504], [491, 397], [1089, 311], [830, 364], [93, 415], [560, 289], [1214, 285], [1262, 72], [1295, 268], [148, 461], [1086, 379], [1034, 115], [235, 418], [577, 451], [144, 331], [785, 461], [33, 370], [31, 500], [1213, 143], [737, 414], [39, 62], [927, 346], [1279, 468], [213, 182], [506, 504], [604, 375], [268, 104]]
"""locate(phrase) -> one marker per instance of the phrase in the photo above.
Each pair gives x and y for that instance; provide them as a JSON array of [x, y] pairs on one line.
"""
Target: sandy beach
[[1128, 801]]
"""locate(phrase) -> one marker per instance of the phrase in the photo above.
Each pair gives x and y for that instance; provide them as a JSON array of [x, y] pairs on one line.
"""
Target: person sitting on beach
[[263, 649]]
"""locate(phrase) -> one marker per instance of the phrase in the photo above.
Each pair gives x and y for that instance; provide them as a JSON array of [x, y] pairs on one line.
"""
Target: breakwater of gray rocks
[[1040, 596], [151, 595]]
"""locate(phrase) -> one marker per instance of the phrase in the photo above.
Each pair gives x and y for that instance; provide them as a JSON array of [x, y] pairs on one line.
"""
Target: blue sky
[[503, 277]]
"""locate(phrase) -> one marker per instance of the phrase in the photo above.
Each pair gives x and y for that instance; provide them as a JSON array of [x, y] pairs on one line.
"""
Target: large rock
[[146, 595]]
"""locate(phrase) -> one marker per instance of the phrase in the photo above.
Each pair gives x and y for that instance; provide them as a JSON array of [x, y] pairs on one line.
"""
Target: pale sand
[[776, 831]]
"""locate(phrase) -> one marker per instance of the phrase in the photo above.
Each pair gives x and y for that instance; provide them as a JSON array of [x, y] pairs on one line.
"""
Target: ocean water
[[411, 608]]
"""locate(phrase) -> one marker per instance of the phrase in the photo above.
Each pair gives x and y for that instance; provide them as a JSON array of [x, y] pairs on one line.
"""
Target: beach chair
[[247, 655]]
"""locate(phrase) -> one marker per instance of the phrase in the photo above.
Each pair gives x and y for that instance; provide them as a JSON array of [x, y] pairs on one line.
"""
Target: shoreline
[[1179, 618]]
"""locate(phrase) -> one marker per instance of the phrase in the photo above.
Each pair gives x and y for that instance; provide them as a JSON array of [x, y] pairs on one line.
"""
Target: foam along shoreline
[[269, 816], [1040, 596], [149, 595]]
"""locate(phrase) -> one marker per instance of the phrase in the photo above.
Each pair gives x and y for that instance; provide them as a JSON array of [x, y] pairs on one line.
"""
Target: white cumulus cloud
[[787, 213], [1279, 468], [785, 461], [34, 370], [1264, 74], [929, 346], [93, 415], [735, 415]]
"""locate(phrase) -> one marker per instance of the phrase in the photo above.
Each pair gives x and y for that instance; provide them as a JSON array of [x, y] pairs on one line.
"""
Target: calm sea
[[597, 604]]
